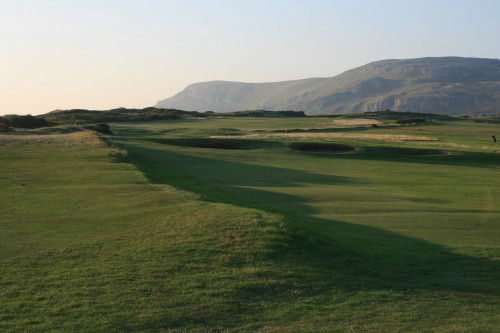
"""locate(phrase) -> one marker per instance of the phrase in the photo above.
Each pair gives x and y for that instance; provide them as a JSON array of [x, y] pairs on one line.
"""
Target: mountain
[[444, 85]]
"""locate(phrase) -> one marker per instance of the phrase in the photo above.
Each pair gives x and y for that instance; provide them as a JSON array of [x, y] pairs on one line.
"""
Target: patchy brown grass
[[76, 139], [90, 138], [354, 122], [85, 137], [7, 138], [118, 151]]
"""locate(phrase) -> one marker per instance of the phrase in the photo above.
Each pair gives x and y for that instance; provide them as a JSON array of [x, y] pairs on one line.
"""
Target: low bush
[[24, 121], [101, 128], [5, 128], [63, 129], [410, 120], [82, 116]]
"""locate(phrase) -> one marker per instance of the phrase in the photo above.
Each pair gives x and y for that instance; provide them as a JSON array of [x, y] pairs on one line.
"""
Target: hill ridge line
[[442, 85]]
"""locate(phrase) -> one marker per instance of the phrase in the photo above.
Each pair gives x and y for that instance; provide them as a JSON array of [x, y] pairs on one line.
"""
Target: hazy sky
[[102, 54]]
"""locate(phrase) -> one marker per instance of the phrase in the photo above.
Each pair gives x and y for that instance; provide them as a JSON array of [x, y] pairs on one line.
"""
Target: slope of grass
[[182, 238], [58, 190]]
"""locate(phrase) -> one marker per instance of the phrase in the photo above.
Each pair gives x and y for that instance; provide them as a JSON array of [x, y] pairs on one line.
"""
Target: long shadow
[[230, 144], [335, 253], [427, 156]]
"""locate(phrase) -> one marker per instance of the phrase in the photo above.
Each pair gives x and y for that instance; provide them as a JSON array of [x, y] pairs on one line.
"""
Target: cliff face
[[449, 85]]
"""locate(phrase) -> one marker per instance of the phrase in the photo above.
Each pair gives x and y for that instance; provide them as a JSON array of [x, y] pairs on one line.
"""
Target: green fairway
[[236, 224]]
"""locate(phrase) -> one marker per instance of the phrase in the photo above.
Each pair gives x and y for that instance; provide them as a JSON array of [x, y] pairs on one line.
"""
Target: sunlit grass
[[162, 236]]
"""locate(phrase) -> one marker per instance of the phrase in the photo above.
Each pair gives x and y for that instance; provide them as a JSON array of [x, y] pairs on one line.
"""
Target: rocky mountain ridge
[[444, 85]]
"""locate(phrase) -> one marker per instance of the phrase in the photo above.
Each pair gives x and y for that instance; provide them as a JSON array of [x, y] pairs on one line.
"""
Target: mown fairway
[[233, 224]]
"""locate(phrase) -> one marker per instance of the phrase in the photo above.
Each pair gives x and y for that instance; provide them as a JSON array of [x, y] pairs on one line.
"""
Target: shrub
[[101, 128], [63, 129], [81, 116], [25, 121], [410, 120], [5, 128]]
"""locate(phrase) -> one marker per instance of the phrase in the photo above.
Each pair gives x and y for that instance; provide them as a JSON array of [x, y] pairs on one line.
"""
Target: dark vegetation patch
[[322, 147], [82, 116], [232, 144], [23, 121], [100, 128], [63, 129], [265, 113], [5, 128], [410, 120], [397, 115]]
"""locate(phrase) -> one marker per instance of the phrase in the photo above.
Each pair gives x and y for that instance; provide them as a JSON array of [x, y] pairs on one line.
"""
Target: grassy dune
[[174, 237]]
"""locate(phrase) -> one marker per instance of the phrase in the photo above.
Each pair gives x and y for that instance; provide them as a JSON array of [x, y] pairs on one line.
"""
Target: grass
[[177, 237]]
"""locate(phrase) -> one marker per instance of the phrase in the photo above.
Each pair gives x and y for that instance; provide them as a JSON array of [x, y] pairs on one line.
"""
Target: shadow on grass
[[428, 156], [320, 255], [215, 143]]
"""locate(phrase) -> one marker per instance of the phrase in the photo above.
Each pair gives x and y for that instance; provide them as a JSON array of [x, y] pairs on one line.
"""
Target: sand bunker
[[322, 147], [213, 143]]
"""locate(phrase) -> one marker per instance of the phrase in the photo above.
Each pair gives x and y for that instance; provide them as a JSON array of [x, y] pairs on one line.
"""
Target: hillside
[[445, 85]]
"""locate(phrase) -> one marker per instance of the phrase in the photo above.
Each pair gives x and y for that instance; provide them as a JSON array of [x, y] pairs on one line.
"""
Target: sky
[[103, 54]]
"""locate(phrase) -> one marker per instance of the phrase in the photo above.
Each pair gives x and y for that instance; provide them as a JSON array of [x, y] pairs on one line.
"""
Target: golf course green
[[253, 224]]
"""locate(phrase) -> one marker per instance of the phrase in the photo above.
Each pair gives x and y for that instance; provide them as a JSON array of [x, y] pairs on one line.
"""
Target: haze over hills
[[443, 85]]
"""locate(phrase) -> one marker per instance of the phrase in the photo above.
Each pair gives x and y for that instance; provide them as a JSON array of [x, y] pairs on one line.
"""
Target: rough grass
[[356, 122], [89, 138]]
